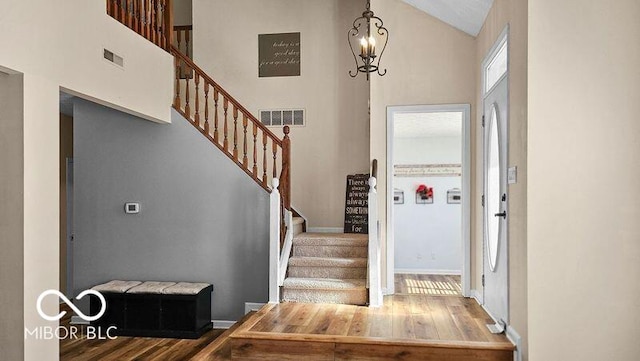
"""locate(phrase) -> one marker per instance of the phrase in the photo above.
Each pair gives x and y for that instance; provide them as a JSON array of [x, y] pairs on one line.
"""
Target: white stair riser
[[350, 297], [330, 251], [327, 272]]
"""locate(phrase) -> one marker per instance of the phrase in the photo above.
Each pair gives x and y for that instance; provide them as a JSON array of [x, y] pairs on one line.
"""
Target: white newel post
[[274, 242], [375, 282]]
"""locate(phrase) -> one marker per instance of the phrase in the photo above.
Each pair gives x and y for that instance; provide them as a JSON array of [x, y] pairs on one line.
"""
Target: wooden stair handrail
[[176, 52]]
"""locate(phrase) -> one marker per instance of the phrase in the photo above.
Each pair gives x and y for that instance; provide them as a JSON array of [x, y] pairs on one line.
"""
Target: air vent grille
[[279, 117], [113, 58]]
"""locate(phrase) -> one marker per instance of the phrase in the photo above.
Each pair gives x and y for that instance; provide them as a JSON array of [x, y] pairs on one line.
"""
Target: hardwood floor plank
[[252, 350], [357, 352]]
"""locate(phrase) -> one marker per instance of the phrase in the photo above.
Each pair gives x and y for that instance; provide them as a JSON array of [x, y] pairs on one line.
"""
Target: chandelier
[[367, 32]]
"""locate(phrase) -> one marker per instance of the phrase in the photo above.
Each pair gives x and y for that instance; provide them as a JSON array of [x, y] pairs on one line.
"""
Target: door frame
[[503, 38], [465, 109]]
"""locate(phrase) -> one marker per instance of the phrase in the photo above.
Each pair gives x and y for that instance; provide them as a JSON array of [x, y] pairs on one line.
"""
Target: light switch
[[512, 175]]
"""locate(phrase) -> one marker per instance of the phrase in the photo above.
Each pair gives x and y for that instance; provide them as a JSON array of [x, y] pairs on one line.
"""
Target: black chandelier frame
[[369, 62]]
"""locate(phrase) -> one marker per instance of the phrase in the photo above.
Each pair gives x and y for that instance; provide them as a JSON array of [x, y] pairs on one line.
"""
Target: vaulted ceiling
[[466, 15]]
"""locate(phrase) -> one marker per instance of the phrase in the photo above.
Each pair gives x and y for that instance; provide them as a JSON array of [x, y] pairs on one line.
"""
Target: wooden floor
[[432, 285], [410, 326], [213, 346], [416, 326]]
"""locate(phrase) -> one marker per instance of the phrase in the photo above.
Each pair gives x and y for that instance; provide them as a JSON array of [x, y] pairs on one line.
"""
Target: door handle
[[503, 214]]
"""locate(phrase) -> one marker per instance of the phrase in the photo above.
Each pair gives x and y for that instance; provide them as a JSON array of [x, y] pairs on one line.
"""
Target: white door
[[496, 275]]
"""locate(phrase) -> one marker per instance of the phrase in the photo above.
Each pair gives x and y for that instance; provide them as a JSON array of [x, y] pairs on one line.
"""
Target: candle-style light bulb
[[372, 45], [363, 46]]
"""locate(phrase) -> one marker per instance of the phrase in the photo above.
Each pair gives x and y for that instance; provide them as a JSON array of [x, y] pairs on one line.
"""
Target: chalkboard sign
[[356, 210], [279, 54]]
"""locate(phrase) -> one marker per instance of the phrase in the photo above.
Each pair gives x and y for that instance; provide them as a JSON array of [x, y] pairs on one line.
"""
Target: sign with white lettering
[[356, 210], [278, 55]]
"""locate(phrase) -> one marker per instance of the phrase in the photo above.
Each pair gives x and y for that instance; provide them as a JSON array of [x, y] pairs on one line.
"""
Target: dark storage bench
[[155, 309]]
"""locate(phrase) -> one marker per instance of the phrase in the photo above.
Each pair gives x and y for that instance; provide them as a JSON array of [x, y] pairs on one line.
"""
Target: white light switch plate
[[512, 175]]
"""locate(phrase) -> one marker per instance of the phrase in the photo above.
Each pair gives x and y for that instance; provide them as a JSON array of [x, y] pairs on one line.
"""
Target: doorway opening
[[428, 205]]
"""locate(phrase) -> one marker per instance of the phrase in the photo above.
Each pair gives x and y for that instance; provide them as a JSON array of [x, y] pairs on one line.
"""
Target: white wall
[[58, 45], [53, 41], [583, 195], [428, 237], [335, 140]]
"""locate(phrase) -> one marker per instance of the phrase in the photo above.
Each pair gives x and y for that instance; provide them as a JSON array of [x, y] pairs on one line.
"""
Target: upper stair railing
[[152, 19], [231, 127], [210, 108], [183, 39]]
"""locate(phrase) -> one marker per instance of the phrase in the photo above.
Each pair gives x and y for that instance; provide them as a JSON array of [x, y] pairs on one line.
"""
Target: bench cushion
[[155, 288], [185, 288], [116, 286]]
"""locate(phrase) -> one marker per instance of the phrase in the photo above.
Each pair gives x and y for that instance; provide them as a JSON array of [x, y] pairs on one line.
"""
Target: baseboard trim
[[252, 306], [476, 295], [514, 337], [428, 271], [325, 230], [222, 324]]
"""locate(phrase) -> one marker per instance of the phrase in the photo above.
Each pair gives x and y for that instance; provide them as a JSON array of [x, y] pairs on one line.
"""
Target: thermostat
[[132, 208]]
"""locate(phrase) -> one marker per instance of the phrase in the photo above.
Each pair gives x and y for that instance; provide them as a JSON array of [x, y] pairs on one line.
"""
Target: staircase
[[304, 267], [327, 268]]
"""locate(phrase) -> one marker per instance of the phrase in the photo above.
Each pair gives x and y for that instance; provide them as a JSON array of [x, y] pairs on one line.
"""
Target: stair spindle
[[187, 109], [129, 11], [123, 17], [206, 108], [153, 13], [225, 143], [235, 133], [187, 40], [196, 116], [264, 158], [145, 22], [179, 39], [244, 142], [255, 150], [168, 24], [161, 23], [135, 10], [275, 155], [215, 121]]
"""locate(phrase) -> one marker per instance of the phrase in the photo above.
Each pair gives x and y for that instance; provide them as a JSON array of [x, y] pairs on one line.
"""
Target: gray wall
[[11, 217], [202, 218]]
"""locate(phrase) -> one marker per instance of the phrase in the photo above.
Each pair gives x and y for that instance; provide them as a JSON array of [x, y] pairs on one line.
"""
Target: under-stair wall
[[201, 219]]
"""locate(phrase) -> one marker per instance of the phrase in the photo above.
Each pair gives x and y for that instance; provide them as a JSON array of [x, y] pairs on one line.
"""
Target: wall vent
[[113, 58], [279, 117]]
